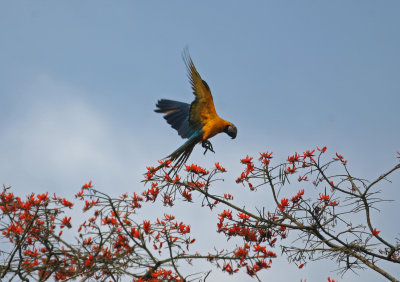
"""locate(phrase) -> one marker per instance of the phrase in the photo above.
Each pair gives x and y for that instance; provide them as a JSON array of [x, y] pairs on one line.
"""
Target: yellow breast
[[214, 126]]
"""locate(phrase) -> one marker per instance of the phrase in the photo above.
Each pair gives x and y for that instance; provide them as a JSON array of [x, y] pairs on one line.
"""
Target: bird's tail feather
[[181, 155]]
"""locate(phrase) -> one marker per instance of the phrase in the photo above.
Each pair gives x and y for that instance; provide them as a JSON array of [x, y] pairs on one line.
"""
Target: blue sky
[[79, 81]]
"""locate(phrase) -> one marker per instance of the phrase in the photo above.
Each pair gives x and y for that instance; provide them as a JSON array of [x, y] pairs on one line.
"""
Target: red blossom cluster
[[162, 275], [268, 227], [309, 154], [326, 199], [244, 177], [246, 227], [127, 237], [219, 167], [296, 158], [265, 158], [151, 170], [228, 196], [340, 157], [112, 240], [187, 195], [109, 238], [197, 184], [25, 223], [193, 168], [243, 254], [152, 193], [295, 199]]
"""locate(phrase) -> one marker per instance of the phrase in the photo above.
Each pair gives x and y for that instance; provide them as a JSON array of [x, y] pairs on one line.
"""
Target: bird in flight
[[197, 121]]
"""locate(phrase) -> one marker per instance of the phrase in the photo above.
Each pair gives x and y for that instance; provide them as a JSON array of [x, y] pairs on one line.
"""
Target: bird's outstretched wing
[[202, 108], [177, 115]]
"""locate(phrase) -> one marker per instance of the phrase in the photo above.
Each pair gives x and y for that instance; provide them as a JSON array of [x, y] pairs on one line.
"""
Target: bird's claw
[[208, 146]]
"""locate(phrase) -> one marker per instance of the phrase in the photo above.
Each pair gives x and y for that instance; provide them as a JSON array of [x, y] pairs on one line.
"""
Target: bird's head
[[231, 130]]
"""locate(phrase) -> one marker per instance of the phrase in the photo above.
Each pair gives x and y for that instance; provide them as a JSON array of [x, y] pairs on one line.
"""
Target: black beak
[[231, 130]]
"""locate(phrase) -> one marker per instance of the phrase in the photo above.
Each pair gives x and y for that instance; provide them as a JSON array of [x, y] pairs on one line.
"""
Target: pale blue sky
[[79, 81]]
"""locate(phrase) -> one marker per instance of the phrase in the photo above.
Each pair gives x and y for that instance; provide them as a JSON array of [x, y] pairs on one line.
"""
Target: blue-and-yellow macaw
[[198, 121]]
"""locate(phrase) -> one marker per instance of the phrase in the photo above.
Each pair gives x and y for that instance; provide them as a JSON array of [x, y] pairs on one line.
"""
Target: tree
[[330, 218]]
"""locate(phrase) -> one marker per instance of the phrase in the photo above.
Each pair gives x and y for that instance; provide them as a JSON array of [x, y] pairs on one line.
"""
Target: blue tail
[[180, 155]]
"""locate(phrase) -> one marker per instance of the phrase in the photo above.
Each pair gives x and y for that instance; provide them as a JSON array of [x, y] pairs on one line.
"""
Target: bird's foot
[[208, 146]]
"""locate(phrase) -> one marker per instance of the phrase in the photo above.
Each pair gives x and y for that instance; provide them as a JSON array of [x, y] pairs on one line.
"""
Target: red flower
[[228, 196], [339, 157], [167, 200], [167, 178], [187, 195], [228, 268], [258, 248], [297, 198], [67, 203], [88, 185], [198, 184], [265, 155], [241, 253], [241, 178], [265, 158], [152, 169], [151, 194], [219, 167], [375, 232], [246, 160], [291, 170], [333, 203], [243, 216], [182, 228], [146, 226], [14, 228], [323, 197], [309, 154], [226, 213], [87, 241], [79, 194], [165, 163], [66, 222], [323, 150], [89, 261], [330, 280], [169, 216], [135, 232], [196, 169], [43, 197], [303, 178], [108, 220], [284, 203], [294, 158], [177, 179]]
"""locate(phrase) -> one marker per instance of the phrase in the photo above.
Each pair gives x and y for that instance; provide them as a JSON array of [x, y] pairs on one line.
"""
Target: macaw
[[197, 121]]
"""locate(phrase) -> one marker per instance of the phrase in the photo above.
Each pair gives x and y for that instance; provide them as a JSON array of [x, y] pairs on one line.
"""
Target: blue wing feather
[[177, 115]]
